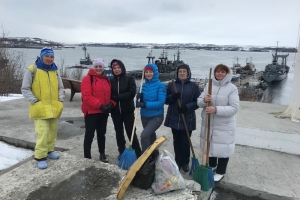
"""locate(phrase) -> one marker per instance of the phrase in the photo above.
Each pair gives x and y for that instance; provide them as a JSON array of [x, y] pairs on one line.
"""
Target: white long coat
[[222, 125]]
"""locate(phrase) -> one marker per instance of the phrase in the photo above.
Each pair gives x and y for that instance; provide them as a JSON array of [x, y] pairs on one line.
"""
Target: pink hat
[[98, 62]]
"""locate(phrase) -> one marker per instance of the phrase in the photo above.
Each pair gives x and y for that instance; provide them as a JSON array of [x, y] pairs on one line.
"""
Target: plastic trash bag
[[167, 175], [145, 176]]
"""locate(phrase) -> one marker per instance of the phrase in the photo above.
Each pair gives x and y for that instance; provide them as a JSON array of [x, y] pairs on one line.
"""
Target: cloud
[[220, 22]]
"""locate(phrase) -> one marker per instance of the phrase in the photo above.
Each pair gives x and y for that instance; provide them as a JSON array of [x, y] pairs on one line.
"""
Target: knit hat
[[114, 64], [45, 51], [98, 62], [148, 68]]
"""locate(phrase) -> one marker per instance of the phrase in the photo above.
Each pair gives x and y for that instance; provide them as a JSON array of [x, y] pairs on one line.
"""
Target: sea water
[[199, 61]]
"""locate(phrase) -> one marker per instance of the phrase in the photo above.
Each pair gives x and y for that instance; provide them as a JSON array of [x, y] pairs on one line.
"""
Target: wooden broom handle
[[203, 159], [183, 119], [136, 110], [208, 118]]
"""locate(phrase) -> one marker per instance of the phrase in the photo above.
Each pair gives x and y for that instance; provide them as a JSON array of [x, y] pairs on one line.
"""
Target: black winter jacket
[[124, 87]]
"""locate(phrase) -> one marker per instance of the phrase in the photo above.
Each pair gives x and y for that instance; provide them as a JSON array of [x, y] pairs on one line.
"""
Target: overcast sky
[[240, 22]]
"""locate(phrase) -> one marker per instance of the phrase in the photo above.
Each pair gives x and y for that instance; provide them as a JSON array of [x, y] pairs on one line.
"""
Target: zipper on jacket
[[50, 93], [119, 103], [178, 105], [215, 103]]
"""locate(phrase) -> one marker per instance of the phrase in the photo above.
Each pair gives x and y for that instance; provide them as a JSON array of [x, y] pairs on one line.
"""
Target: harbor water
[[200, 62]]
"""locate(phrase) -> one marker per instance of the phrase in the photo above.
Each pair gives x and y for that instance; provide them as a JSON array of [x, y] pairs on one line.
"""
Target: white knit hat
[[98, 62]]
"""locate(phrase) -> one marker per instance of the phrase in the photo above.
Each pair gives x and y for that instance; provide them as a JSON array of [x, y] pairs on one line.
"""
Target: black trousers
[[181, 147], [220, 163], [125, 120], [94, 122]]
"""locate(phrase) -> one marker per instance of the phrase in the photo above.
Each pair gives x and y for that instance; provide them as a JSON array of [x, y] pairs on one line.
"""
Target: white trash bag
[[167, 175]]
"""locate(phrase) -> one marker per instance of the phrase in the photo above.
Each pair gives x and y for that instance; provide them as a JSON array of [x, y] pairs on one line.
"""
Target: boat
[[277, 70], [249, 68], [235, 76], [254, 82], [87, 60], [236, 66], [166, 68]]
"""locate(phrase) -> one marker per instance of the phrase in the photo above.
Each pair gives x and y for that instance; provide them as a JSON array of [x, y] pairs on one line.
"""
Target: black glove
[[182, 109], [140, 104], [106, 109], [139, 96], [176, 96], [115, 98], [109, 106]]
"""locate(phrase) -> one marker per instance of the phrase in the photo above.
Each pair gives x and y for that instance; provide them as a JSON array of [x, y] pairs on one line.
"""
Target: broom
[[204, 174], [128, 156], [195, 162], [201, 172], [210, 171]]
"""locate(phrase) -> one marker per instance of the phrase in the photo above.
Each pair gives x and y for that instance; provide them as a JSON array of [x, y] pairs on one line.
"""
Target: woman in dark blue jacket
[[187, 92], [153, 97]]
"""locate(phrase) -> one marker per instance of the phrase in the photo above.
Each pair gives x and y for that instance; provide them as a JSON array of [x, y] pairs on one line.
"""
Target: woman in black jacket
[[123, 90], [187, 92]]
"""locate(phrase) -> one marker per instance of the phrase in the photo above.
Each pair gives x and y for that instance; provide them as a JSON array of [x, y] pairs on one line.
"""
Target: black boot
[[103, 158], [186, 168]]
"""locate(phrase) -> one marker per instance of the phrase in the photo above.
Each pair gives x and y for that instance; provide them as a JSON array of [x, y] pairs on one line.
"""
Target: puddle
[[11, 155], [91, 183]]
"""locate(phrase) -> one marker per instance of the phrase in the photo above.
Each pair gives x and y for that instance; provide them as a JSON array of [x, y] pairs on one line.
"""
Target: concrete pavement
[[265, 164]]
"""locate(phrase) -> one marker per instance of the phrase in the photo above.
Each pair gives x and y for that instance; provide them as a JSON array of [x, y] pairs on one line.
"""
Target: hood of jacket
[[121, 64], [155, 77], [226, 79], [189, 73]]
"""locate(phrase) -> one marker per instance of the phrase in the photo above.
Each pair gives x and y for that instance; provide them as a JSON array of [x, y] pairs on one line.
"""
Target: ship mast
[[84, 49], [150, 57]]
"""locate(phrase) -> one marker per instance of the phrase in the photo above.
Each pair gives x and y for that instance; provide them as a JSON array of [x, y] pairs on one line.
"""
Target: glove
[[115, 98], [139, 96], [106, 109], [176, 96], [109, 106], [182, 109], [140, 104]]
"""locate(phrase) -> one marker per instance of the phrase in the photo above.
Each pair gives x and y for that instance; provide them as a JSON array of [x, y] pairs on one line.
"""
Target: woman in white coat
[[224, 105]]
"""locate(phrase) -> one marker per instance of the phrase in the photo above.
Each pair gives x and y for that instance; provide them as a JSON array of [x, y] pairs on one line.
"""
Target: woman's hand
[[210, 109], [207, 98]]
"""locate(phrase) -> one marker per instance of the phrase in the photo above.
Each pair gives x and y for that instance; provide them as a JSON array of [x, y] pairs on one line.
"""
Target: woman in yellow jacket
[[43, 88]]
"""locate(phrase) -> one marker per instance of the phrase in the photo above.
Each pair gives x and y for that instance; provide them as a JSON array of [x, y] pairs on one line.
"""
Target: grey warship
[[277, 70], [166, 67]]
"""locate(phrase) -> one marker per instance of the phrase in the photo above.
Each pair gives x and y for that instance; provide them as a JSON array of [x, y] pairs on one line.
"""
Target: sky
[[221, 22]]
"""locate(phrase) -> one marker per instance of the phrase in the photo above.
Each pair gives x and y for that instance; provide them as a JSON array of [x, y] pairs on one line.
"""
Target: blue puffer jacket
[[189, 93], [154, 95]]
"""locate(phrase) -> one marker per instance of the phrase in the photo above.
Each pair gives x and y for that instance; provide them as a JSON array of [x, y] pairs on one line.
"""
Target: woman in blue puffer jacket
[[152, 97]]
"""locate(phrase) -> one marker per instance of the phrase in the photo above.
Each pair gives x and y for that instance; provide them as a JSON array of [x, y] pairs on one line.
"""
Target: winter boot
[[103, 158], [42, 164], [53, 155]]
